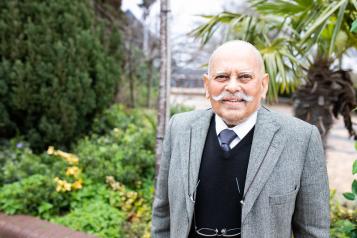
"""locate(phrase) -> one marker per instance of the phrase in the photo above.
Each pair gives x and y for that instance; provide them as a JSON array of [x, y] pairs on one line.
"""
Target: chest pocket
[[284, 198]]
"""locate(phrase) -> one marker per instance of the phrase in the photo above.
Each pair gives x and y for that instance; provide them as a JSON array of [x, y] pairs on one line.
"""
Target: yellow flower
[[66, 186], [74, 171], [50, 150], [70, 158], [62, 185], [77, 184]]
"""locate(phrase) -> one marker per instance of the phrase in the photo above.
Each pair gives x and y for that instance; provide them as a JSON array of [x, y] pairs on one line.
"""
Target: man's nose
[[233, 85]]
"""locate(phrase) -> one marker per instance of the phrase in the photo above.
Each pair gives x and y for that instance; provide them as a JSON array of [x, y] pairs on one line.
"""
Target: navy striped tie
[[226, 137]]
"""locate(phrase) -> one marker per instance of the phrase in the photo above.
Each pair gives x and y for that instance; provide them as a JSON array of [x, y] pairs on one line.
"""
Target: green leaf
[[44, 207], [322, 19], [354, 168], [354, 186], [280, 66], [343, 227], [337, 27], [354, 26], [349, 196]]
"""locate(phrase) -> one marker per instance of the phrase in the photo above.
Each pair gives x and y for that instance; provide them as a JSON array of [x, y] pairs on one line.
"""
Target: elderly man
[[239, 169]]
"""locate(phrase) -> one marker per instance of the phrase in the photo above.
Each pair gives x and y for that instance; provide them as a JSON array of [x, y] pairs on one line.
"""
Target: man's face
[[235, 72]]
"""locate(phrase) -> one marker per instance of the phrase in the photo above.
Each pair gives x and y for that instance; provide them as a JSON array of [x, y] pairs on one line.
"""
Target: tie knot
[[227, 136]]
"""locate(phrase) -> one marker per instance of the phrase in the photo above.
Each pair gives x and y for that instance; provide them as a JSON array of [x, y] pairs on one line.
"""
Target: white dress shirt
[[241, 129]]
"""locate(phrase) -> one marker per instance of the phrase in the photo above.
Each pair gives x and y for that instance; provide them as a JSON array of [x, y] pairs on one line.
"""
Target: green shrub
[[122, 146], [343, 229], [353, 194], [125, 149], [18, 162], [177, 108], [93, 192], [343, 219], [34, 195], [136, 208], [95, 217], [119, 116], [56, 70]]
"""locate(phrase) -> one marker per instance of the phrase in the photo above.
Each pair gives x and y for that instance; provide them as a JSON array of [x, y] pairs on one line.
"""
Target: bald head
[[236, 81], [237, 47]]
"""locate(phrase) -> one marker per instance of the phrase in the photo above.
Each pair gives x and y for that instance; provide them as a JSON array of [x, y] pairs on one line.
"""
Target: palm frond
[[337, 27], [330, 9], [280, 7], [206, 30]]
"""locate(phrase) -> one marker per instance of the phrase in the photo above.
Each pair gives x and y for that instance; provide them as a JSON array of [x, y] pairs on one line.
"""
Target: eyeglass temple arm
[[192, 195], [241, 201]]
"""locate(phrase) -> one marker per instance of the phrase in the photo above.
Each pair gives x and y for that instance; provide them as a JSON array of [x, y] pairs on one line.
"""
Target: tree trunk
[[164, 86], [149, 83], [131, 78]]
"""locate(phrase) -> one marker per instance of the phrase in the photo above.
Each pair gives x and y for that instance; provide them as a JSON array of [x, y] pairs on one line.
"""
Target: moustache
[[237, 95]]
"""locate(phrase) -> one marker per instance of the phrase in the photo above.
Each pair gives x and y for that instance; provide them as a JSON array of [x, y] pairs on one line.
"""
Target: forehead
[[228, 62]]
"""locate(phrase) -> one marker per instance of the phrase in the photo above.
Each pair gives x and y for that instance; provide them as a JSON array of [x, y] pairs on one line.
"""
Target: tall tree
[[149, 48], [58, 68], [165, 76]]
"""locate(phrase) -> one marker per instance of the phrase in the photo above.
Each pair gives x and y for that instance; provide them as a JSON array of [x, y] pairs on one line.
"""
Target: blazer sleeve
[[161, 212], [312, 213]]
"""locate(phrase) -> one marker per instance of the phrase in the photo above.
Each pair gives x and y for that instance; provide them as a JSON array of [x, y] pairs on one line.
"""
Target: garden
[[104, 186], [77, 137]]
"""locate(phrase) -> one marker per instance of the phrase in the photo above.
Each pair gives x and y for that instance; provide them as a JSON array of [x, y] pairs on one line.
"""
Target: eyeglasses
[[209, 232]]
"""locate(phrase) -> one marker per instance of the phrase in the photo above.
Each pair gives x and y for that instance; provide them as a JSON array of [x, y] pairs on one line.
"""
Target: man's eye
[[246, 76], [221, 77]]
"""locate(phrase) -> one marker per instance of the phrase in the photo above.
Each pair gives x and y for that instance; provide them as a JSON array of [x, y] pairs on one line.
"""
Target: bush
[[56, 70], [343, 219], [117, 206], [18, 162], [97, 218], [34, 195], [119, 116], [178, 108], [136, 207], [125, 148]]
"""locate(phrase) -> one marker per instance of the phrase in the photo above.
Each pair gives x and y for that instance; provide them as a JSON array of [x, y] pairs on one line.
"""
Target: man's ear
[[265, 85], [205, 82]]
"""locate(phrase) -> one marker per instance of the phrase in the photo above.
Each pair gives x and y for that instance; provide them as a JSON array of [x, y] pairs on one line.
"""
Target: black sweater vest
[[218, 196]]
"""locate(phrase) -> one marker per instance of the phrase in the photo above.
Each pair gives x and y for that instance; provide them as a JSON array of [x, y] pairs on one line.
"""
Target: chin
[[233, 117]]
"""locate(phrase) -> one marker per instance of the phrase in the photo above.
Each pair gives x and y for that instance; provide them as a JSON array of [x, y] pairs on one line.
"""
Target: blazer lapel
[[266, 147], [192, 142]]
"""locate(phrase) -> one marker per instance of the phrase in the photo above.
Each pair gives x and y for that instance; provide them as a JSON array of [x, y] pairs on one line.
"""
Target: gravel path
[[340, 149]]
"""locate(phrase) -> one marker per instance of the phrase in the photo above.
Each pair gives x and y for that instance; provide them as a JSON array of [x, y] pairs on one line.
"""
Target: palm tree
[[300, 40]]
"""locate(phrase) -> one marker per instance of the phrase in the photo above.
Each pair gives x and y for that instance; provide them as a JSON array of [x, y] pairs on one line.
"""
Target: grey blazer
[[286, 190]]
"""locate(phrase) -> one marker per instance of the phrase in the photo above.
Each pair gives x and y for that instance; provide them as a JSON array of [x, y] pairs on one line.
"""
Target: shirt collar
[[241, 129]]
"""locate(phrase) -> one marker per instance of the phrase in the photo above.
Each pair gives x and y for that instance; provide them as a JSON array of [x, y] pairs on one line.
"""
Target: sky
[[184, 13]]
